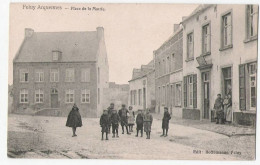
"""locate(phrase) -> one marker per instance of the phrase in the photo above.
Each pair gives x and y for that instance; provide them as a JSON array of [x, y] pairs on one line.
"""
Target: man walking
[[165, 122], [123, 117]]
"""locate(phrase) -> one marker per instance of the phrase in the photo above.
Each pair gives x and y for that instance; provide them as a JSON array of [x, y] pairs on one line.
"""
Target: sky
[[132, 31]]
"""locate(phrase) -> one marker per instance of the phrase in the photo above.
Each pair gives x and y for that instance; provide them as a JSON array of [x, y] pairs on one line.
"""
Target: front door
[[206, 91], [54, 98]]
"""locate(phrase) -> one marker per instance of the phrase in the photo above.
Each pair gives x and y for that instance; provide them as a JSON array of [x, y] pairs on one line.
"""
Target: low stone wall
[[193, 114]]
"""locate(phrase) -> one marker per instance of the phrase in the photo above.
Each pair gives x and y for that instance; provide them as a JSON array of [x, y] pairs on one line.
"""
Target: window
[[98, 96], [226, 30], [172, 62], [56, 55], [85, 75], [163, 95], [227, 75], [39, 75], [69, 96], [190, 46], [159, 95], [98, 75], [140, 97], [252, 20], [205, 39], [252, 85], [38, 96], [24, 96], [190, 91], [164, 67], [24, 75], [178, 95], [85, 96], [54, 76], [69, 75], [168, 66], [159, 68]]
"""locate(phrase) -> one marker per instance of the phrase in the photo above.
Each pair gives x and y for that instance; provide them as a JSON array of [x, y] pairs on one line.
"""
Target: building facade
[[142, 88], [220, 57], [54, 70], [168, 73]]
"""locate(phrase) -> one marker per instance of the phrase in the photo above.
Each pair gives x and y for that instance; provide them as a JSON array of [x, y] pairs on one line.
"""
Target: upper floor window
[[56, 55], [227, 30], [168, 65], [24, 75], [206, 39], [69, 75], [190, 46], [39, 75], [54, 75], [85, 75], [252, 20], [24, 96]]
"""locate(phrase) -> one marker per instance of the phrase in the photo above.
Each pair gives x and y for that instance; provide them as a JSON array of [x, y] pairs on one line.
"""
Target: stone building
[[168, 73], [117, 94], [220, 56], [54, 70], [142, 88]]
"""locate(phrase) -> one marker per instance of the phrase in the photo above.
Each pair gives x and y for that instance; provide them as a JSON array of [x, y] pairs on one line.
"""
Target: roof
[[75, 46], [144, 71], [198, 10]]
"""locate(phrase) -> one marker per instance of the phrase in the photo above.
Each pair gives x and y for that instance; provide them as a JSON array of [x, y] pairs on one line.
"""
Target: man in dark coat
[[74, 119], [139, 123], [218, 106], [104, 123], [123, 117], [165, 122], [114, 119], [110, 109]]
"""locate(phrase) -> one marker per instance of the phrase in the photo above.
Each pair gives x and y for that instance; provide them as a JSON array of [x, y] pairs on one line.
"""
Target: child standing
[[104, 123], [148, 120], [165, 122], [139, 123], [115, 122], [131, 119]]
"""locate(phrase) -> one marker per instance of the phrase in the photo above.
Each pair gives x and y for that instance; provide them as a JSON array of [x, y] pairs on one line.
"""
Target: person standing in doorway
[[148, 121], [218, 106], [229, 109], [123, 117], [74, 119], [165, 122]]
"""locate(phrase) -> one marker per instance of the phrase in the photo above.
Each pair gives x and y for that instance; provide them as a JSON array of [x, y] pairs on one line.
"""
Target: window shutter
[[185, 91], [242, 91], [195, 91]]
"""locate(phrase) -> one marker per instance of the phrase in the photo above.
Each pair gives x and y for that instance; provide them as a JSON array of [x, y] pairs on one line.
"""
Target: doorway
[[144, 98], [54, 98], [206, 94]]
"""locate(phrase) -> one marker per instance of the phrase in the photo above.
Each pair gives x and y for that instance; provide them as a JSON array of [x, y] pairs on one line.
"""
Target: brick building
[[168, 73], [220, 56], [54, 70]]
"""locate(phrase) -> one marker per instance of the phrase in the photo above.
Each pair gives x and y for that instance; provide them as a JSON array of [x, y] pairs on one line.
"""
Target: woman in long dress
[[229, 109], [74, 119]]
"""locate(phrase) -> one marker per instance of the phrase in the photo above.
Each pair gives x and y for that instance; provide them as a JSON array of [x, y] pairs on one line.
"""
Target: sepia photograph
[[136, 81]]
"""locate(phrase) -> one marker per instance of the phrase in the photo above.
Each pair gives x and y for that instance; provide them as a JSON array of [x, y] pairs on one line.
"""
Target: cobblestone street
[[47, 137]]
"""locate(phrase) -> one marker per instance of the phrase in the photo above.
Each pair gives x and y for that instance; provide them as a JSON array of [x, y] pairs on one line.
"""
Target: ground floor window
[[140, 97], [24, 96], [39, 96], [190, 91], [85, 96], [69, 96], [247, 86], [178, 95]]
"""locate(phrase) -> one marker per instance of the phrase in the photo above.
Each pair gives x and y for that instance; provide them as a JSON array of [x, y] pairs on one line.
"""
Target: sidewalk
[[225, 129]]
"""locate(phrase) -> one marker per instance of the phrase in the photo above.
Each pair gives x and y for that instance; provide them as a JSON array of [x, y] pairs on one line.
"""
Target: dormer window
[[56, 55]]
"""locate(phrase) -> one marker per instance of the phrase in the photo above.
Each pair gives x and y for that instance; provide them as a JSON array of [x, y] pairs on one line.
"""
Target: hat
[[166, 108], [112, 104], [123, 105], [139, 110], [105, 110]]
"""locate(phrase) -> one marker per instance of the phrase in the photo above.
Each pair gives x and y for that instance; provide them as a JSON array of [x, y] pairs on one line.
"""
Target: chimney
[[28, 32], [100, 32], [176, 27]]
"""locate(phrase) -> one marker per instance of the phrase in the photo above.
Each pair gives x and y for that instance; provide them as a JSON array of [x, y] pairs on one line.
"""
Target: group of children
[[144, 120]]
